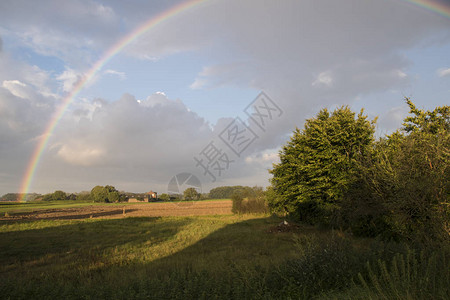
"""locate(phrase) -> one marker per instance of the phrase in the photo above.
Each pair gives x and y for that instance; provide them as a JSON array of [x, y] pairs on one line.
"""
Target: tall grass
[[209, 257]]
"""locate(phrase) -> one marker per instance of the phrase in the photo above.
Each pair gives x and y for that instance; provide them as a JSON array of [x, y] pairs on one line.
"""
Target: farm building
[[148, 197]]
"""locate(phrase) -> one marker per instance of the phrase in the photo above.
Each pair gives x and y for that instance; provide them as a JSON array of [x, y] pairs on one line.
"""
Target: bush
[[249, 200]]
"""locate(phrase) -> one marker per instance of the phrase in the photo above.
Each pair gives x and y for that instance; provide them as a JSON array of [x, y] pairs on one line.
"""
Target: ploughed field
[[187, 208]]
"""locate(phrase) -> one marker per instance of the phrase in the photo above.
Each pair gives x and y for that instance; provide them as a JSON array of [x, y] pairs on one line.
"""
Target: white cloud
[[323, 79], [69, 79], [264, 159], [125, 132], [119, 74], [443, 72], [17, 88]]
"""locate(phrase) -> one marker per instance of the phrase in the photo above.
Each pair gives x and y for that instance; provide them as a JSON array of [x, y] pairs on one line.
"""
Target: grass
[[203, 257], [16, 207]]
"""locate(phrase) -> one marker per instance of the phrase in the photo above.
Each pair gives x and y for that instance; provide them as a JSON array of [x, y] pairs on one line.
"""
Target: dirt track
[[131, 210]]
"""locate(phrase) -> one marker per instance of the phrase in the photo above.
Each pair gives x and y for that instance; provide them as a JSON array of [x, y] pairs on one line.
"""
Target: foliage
[[224, 192], [18, 196], [249, 200], [59, 195], [84, 196], [164, 197], [317, 164], [191, 194], [410, 276], [402, 189], [106, 193], [433, 122]]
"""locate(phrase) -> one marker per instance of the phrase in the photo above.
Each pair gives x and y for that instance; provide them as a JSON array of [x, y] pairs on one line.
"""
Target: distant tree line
[[333, 172], [19, 196], [225, 192]]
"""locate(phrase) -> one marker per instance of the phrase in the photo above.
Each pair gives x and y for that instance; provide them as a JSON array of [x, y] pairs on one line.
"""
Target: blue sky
[[158, 103]]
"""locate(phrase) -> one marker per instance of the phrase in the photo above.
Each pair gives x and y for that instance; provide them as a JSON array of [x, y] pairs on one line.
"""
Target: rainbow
[[114, 50], [440, 7]]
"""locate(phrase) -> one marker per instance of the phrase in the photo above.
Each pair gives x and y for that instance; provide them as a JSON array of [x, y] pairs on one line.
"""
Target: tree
[[99, 194], [164, 197], [403, 187], [224, 192], [106, 194], [191, 194], [316, 165], [59, 195], [432, 122]]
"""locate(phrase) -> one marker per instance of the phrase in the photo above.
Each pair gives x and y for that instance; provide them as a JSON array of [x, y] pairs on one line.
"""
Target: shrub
[[249, 200]]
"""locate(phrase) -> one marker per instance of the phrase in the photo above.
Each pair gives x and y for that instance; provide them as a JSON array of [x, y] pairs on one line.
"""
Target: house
[[147, 197], [152, 195]]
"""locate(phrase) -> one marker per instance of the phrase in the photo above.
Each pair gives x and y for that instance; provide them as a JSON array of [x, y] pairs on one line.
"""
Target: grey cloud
[[65, 29], [304, 54], [124, 142]]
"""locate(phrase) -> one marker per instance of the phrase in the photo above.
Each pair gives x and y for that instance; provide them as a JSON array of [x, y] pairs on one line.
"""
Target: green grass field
[[204, 257]]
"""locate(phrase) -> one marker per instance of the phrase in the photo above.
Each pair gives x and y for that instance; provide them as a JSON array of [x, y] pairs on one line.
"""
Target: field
[[66, 254], [61, 210]]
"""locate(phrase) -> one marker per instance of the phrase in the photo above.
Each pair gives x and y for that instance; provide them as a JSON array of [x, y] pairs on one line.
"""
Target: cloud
[[264, 158], [69, 79], [131, 140], [68, 30], [391, 120], [119, 74], [443, 72], [224, 74], [323, 79], [304, 54], [17, 88]]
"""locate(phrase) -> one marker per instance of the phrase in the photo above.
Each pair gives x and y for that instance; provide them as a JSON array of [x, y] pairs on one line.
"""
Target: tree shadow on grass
[[247, 243], [75, 241]]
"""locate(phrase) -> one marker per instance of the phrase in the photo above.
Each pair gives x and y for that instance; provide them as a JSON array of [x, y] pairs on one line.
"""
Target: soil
[[222, 207]]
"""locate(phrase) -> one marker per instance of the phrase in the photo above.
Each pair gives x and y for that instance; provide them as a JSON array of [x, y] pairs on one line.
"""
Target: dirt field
[[130, 210]]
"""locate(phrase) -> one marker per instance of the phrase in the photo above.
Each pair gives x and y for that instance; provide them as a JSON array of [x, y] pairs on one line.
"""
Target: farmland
[[76, 210], [66, 254]]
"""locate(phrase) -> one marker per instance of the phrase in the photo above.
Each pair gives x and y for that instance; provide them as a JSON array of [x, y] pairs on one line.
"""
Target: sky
[[185, 96]]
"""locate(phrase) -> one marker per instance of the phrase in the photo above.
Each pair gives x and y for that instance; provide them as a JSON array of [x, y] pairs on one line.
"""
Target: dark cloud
[[304, 54]]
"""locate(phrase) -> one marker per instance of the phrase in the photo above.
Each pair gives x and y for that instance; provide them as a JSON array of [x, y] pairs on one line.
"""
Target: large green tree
[[403, 186], [106, 193], [317, 164]]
